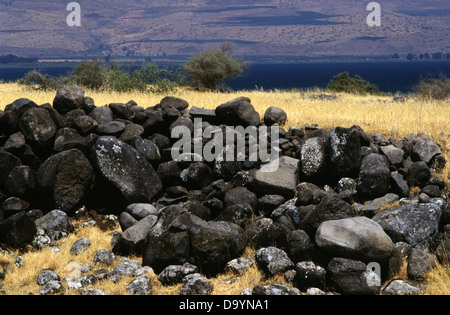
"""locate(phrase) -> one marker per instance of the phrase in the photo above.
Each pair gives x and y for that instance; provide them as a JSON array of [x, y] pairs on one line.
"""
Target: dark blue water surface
[[389, 76]]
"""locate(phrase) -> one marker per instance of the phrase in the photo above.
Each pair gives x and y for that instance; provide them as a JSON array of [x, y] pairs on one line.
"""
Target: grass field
[[374, 114]]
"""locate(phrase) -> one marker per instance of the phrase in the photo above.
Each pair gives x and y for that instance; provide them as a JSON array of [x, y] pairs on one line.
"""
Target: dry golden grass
[[438, 280], [23, 280], [375, 114]]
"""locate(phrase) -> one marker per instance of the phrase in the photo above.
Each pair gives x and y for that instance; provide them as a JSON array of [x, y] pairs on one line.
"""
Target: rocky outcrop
[[323, 211]]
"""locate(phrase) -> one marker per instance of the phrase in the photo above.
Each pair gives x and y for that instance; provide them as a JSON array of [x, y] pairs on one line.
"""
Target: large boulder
[[330, 208], [21, 182], [17, 231], [56, 224], [238, 112], [351, 277], [275, 115], [273, 260], [214, 244], [313, 157], [374, 176], [8, 162], [37, 127], [345, 151], [65, 179], [240, 196], [424, 150], [415, 224], [68, 98], [197, 175], [132, 240], [393, 154], [418, 174], [174, 102], [357, 238], [276, 177], [127, 170]]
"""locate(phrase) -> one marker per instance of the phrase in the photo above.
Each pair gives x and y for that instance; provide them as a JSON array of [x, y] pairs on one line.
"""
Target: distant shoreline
[[250, 60]]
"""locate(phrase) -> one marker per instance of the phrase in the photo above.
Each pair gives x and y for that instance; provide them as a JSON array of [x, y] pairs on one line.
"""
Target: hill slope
[[258, 27]]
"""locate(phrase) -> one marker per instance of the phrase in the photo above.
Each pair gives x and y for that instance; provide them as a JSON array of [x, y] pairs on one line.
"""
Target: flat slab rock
[[276, 177]]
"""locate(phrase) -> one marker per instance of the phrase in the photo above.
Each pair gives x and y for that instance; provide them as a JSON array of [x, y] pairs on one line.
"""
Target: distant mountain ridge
[[258, 27]]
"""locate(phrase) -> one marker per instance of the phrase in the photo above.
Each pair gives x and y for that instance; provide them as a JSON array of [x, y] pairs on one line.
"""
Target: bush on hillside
[[434, 89], [357, 85], [35, 80], [210, 68]]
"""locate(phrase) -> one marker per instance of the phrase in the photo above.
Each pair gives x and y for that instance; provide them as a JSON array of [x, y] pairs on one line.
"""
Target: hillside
[[263, 27]]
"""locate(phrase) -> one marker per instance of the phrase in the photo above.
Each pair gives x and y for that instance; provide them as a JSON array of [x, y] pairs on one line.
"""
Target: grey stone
[[411, 223], [418, 174], [141, 210], [38, 127], [123, 167], [308, 274], [56, 224], [239, 265], [345, 151], [68, 98], [273, 260], [174, 274], [65, 179], [276, 177], [425, 149], [358, 238], [399, 184], [17, 231], [275, 115], [374, 176], [195, 284], [46, 276], [104, 257], [175, 102], [393, 154], [93, 292], [313, 157], [142, 285], [330, 208], [51, 287], [346, 183], [238, 112], [239, 196], [351, 277], [373, 207], [80, 246], [420, 261], [402, 287], [272, 289]]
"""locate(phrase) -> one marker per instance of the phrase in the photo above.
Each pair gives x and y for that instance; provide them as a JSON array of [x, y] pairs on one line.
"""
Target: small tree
[[208, 69], [357, 85], [91, 74]]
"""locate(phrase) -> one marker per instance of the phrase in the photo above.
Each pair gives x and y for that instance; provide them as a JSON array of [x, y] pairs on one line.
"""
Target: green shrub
[[356, 85], [208, 69], [36, 80], [156, 79], [95, 75], [90, 74], [434, 89]]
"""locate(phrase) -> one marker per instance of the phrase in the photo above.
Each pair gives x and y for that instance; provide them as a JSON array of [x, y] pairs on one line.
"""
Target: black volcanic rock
[[123, 167]]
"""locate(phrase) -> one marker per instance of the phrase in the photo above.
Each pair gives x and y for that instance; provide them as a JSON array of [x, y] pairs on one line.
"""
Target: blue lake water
[[389, 76]]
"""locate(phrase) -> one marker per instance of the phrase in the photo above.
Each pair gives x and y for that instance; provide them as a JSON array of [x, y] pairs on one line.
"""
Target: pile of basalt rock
[[338, 202]]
